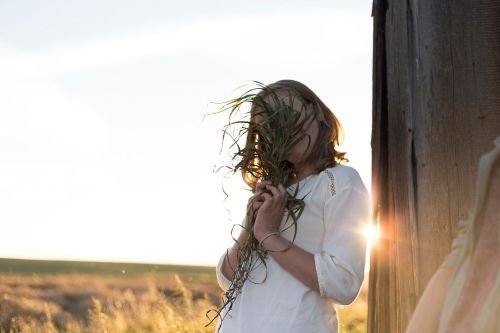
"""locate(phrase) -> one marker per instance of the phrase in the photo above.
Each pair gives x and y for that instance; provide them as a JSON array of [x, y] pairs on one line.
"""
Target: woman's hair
[[323, 154]]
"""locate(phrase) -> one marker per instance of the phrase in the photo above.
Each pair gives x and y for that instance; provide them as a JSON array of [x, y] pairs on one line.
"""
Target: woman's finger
[[283, 190], [256, 201], [260, 186], [268, 201], [276, 193], [267, 197], [257, 204]]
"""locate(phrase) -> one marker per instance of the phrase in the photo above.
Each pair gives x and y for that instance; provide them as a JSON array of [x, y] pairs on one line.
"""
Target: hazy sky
[[104, 153]]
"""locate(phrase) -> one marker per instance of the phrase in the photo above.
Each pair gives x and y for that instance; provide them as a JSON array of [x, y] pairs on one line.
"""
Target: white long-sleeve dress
[[337, 209]]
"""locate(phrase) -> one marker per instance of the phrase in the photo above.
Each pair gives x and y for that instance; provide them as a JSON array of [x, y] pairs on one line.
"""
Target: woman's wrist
[[273, 242], [268, 235], [261, 233]]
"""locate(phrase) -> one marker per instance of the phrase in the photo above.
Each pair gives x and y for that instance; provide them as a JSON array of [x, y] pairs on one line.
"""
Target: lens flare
[[372, 233]]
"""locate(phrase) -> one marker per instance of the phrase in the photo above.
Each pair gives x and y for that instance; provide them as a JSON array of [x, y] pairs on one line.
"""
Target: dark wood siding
[[436, 110]]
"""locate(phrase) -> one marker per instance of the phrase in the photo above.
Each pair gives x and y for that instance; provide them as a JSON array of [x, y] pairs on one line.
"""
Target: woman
[[302, 280]]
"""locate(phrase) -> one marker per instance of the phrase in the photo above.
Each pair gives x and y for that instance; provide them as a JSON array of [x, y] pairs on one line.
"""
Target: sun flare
[[372, 233]]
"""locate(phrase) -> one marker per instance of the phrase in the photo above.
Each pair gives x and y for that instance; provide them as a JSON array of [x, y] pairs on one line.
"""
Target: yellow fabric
[[487, 320]]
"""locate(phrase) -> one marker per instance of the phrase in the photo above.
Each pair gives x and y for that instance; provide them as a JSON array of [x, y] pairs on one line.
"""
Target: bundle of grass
[[270, 127]]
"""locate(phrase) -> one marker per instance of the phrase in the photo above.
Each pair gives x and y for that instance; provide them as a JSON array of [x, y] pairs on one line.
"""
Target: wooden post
[[436, 110]]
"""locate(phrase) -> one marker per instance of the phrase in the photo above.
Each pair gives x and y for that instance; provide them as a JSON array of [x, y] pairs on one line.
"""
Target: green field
[[23, 266]]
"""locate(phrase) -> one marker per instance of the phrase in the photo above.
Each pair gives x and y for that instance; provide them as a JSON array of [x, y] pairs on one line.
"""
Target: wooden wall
[[436, 110]]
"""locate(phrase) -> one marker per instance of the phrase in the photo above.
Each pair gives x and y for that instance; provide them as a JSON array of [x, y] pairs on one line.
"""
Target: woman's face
[[299, 154]]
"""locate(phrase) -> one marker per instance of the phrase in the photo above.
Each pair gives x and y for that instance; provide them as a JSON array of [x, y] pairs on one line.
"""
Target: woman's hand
[[270, 210], [255, 201]]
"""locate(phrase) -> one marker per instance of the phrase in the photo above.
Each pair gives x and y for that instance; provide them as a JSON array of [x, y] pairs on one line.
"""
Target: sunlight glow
[[372, 233]]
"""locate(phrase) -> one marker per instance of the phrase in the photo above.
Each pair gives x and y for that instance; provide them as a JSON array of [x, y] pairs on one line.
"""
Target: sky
[[105, 153]]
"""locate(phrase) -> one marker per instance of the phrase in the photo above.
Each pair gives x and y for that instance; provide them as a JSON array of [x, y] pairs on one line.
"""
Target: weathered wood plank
[[436, 110]]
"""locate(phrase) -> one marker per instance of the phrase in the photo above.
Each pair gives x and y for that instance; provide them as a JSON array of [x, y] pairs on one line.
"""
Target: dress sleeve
[[341, 263], [459, 244], [222, 280]]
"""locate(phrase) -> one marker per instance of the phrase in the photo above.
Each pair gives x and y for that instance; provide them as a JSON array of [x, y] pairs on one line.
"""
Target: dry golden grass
[[99, 303], [353, 318], [81, 303]]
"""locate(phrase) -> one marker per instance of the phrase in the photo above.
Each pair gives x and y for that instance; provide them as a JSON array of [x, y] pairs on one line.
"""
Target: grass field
[[66, 296]]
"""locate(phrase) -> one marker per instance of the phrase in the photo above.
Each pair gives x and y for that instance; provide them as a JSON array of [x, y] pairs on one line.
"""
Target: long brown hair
[[324, 153]]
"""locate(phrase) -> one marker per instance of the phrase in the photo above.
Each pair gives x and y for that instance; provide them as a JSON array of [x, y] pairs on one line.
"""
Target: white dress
[[337, 209]]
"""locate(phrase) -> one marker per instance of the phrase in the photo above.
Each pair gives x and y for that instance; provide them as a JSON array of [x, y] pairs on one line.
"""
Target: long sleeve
[[223, 282], [340, 264]]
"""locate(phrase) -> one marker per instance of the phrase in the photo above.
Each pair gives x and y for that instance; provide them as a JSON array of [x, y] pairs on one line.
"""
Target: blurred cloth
[[472, 301]]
